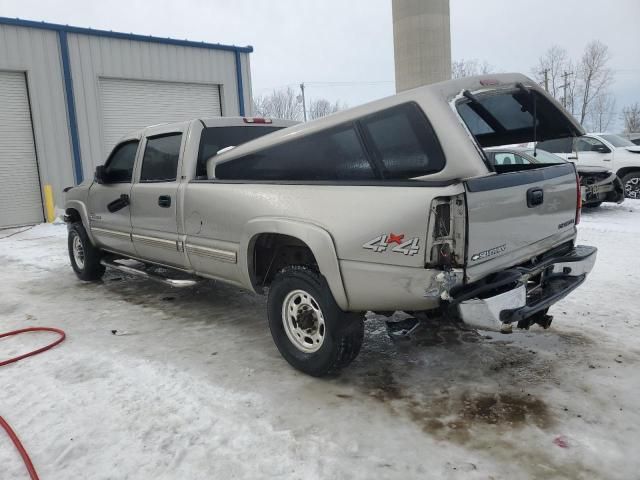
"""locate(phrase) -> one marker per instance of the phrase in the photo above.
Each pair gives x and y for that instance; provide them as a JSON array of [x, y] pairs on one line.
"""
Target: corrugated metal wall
[[93, 58], [246, 90], [37, 53]]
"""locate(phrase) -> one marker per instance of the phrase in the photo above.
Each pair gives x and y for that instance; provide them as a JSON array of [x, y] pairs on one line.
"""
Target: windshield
[[618, 141], [543, 156]]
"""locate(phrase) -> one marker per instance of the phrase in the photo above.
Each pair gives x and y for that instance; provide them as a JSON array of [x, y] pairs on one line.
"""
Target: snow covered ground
[[192, 387]]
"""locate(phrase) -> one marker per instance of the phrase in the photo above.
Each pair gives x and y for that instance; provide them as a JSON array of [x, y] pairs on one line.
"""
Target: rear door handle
[[164, 201], [535, 197]]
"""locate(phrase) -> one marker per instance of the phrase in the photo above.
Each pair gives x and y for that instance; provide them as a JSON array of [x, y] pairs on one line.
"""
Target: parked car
[[606, 150], [635, 138], [597, 184], [388, 206]]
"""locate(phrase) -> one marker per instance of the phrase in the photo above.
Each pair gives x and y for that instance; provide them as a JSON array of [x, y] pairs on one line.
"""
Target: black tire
[[592, 205], [633, 176], [92, 269], [343, 332]]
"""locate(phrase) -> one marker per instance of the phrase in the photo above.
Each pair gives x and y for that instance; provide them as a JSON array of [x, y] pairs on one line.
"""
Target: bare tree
[[601, 112], [582, 86], [321, 107], [594, 76], [554, 62], [469, 68], [279, 104], [631, 116]]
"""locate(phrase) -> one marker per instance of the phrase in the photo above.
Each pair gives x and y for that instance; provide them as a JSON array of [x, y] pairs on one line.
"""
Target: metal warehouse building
[[68, 93]]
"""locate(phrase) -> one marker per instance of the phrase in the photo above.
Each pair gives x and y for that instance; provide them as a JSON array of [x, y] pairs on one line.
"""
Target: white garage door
[[131, 104], [20, 199]]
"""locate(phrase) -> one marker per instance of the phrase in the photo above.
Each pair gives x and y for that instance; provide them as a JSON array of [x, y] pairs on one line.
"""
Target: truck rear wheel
[[84, 256], [308, 327]]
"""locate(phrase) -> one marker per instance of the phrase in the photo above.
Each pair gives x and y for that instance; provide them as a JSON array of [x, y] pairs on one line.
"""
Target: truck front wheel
[[84, 256], [308, 327]]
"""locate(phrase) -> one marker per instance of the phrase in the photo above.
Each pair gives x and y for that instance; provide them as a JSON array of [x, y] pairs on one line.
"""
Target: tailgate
[[513, 217]]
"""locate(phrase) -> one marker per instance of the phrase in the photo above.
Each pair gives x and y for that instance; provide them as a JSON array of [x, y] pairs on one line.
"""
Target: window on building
[[119, 166], [404, 142], [160, 161], [335, 154]]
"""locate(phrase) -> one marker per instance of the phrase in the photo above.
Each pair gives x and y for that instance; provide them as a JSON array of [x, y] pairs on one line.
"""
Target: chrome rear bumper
[[498, 305]]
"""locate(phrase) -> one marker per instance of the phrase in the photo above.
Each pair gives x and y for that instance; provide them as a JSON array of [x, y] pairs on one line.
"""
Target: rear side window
[[160, 161], [334, 154], [508, 158], [119, 167], [560, 145], [404, 142], [214, 139]]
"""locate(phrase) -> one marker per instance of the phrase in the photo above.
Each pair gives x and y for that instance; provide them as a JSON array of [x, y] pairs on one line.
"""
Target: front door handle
[[606, 159], [535, 197], [164, 201], [119, 203]]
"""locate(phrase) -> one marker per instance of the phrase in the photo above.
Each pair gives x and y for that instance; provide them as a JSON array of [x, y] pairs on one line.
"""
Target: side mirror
[[100, 175], [601, 149]]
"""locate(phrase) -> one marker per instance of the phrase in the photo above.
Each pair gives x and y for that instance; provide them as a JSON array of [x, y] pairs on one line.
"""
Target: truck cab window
[[119, 167], [588, 144], [160, 161], [214, 139]]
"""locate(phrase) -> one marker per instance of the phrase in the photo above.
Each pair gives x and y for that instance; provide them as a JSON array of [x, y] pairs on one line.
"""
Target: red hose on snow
[[23, 453], [12, 435], [35, 352]]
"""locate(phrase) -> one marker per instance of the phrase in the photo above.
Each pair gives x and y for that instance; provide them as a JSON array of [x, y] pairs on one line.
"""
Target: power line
[[347, 83]]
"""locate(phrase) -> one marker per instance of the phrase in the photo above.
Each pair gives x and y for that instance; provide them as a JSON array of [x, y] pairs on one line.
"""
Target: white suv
[[607, 150]]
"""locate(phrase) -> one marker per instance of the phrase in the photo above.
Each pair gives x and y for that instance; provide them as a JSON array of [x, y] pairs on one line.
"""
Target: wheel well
[[272, 252], [73, 215], [626, 171]]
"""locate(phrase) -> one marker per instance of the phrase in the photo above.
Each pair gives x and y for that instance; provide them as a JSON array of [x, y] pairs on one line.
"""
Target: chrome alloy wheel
[[78, 251], [303, 321], [632, 188]]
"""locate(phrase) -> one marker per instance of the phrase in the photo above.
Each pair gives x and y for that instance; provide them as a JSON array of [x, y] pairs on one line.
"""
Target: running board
[[148, 275]]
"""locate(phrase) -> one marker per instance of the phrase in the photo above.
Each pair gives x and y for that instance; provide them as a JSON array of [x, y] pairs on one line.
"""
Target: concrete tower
[[422, 42]]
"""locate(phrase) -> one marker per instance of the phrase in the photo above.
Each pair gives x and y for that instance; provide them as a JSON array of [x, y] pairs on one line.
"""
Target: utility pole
[[565, 84], [304, 102], [546, 79]]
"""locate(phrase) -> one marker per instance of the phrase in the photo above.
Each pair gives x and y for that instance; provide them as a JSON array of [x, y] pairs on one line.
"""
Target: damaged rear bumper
[[517, 295]]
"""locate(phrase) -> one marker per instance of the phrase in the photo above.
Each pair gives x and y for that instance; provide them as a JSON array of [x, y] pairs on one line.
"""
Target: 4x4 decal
[[382, 242]]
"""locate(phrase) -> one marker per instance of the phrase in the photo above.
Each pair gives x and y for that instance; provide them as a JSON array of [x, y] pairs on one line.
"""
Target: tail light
[[578, 199], [447, 221]]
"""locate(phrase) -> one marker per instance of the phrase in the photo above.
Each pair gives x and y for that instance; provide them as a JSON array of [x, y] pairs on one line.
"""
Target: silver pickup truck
[[390, 206]]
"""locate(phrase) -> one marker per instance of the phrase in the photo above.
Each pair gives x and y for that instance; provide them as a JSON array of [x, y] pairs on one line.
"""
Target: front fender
[[316, 238], [81, 207]]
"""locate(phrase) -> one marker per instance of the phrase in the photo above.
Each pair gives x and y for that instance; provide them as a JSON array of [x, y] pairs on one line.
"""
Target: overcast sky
[[343, 50]]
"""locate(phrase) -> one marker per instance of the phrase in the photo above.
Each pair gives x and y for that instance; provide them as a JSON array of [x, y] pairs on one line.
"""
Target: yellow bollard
[[49, 206]]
